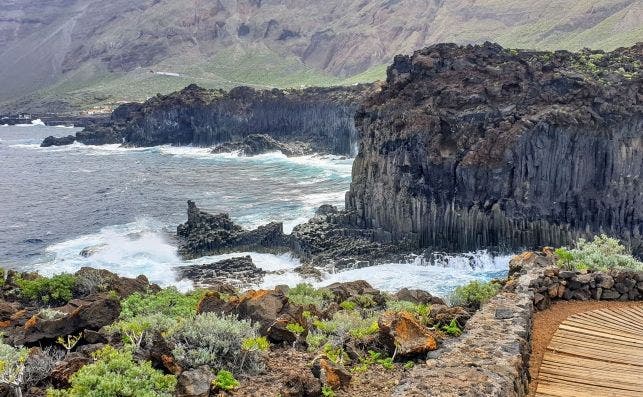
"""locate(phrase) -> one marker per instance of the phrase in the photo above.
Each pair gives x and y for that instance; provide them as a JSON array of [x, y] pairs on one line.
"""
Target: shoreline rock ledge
[[469, 147]]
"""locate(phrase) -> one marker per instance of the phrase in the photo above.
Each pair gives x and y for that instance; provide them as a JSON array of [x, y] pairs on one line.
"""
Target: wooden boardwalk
[[595, 354]]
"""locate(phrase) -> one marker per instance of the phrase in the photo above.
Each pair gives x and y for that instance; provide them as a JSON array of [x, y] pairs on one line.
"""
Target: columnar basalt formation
[[480, 146], [323, 118]]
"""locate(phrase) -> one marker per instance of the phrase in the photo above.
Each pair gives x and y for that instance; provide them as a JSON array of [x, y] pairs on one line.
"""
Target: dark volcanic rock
[[207, 234], [478, 146], [89, 313], [58, 141], [255, 144], [323, 118], [240, 271]]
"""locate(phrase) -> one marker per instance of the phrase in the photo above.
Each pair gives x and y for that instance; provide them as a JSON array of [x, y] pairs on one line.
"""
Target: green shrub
[[474, 294], [12, 366], [114, 373], [365, 301], [55, 290], [255, 344], [168, 301], [216, 341], [304, 295], [327, 391], [315, 340], [452, 329], [373, 358], [295, 328], [139, 328], [421, 310], [225, 380], [348, 305], [602, 253], [345, 323]]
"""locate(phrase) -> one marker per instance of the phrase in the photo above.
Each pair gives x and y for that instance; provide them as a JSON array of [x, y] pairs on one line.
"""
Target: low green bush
[[421, 310], [345, 324], [602, 253], [452, 328], [304, 295], [12, 366], [217, 341], [225, 380], [136, 329], [115, 373], [55, 290], [474, 294], [168, 301]]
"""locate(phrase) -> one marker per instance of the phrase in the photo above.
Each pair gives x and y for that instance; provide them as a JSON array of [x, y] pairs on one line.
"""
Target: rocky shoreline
[[323, 118], [423, 345]]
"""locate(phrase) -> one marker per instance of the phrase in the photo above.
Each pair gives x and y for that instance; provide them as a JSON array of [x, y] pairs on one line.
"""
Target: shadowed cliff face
[[477, 146], [322, 117]]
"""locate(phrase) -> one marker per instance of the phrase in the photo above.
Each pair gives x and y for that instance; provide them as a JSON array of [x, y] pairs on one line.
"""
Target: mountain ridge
[[58, 55]]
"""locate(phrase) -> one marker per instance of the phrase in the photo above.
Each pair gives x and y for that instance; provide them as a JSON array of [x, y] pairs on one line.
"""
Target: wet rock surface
[[58, 141], [255, 144], [479, 146], [326, 240], [240, 272], [207, 234]]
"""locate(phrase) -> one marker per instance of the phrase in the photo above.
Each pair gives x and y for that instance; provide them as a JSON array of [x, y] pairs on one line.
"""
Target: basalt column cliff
[[480, 146]]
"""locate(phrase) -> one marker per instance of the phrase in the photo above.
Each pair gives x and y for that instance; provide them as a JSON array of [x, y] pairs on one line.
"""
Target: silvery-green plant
[[12, 367], [601, 253], [217, 341]]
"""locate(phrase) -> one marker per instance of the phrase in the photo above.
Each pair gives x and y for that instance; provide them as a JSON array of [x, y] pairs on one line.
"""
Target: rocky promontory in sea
[[323, 118], [329, 239], [467, 147]]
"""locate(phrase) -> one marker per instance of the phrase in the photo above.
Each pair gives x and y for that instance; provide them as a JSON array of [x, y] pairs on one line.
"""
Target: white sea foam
[[36, 122], [135, 248], [439, 279], [142, 247]]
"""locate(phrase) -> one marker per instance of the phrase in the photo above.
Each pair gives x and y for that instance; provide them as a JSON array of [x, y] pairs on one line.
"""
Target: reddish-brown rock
[[403, 334]]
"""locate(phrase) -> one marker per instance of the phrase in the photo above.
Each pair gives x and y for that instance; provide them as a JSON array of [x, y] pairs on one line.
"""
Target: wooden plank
[[595, 354], [575, 336], [597, 333], [608, 320], [593, 325], [608, 315]]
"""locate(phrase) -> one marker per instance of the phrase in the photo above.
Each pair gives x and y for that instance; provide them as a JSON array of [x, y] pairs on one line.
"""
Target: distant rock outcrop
[[480, 146], [255, 144], [323, 118], [58, 141]]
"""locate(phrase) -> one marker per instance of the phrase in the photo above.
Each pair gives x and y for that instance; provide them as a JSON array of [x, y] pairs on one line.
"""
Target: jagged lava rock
[[207, 234], [255, 144], [239, 271], [478, 146], [321, 117], [58, 141]]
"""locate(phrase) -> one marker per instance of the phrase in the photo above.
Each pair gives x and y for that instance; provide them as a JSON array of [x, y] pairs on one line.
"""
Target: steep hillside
[[87, 52], [479, 146]]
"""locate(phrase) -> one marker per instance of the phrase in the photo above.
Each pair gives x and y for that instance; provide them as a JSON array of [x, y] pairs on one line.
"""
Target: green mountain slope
[[75, 54]]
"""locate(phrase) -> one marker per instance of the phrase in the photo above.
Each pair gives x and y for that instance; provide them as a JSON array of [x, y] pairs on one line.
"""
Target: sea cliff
[[321, 117], [479, 146]]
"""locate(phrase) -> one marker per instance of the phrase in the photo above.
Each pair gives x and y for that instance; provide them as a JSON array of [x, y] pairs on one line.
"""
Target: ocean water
[[126, 203]]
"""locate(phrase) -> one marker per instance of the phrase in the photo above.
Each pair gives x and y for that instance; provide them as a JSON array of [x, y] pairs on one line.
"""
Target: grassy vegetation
[[115, 372], [474, 294], [602, 253], [57, 289]]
